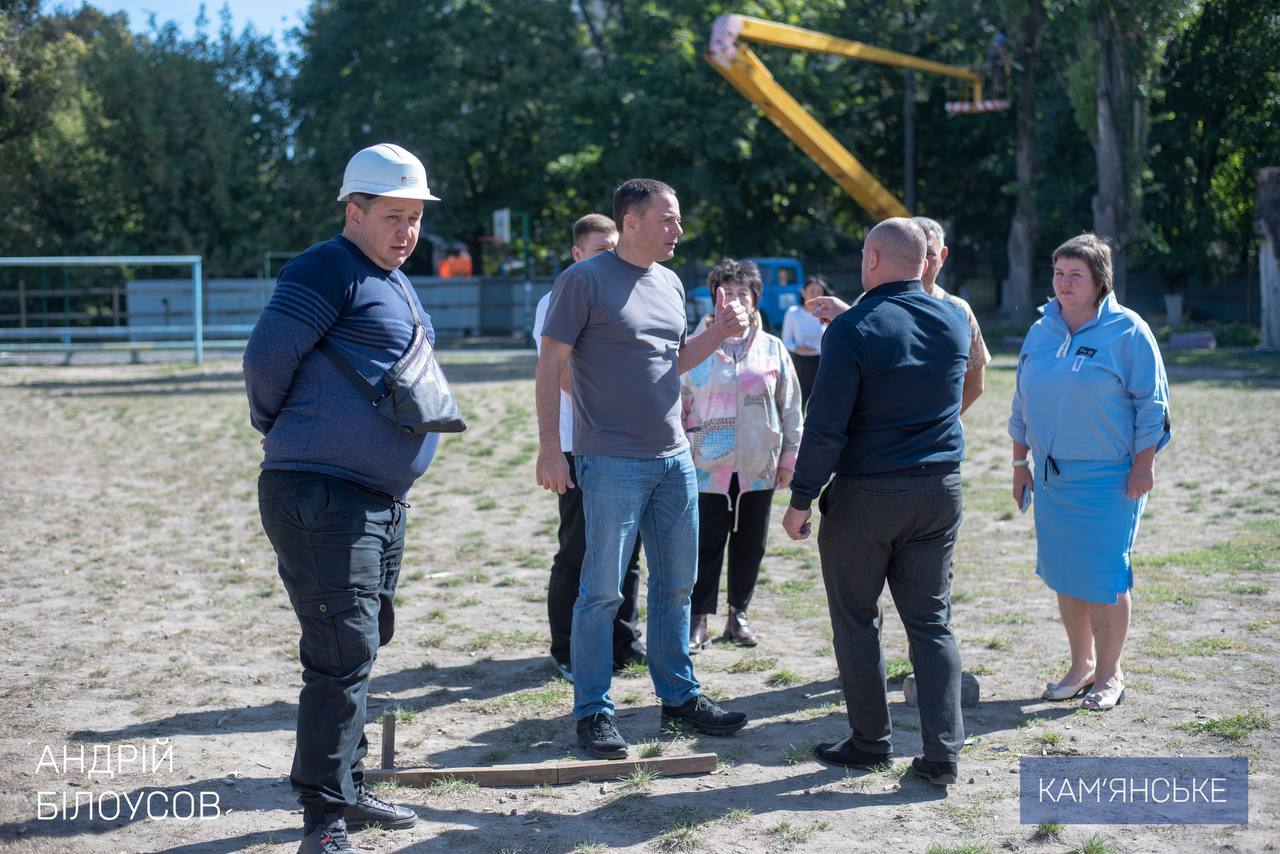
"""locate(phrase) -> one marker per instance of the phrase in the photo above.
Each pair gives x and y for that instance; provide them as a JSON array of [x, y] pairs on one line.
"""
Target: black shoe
[[370, 811], [846, 755], [937, 773], [599, 736], [326, 838], [704, 715], [565, 671]]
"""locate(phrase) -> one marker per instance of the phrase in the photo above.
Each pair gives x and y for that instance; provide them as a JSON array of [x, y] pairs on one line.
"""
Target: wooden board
[[547, 773]]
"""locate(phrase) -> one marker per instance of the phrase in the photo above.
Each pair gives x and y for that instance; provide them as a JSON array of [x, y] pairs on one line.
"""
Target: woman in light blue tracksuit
[[1091, 404]]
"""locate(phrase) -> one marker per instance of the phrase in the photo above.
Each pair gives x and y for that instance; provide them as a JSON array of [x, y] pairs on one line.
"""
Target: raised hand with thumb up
[[731, 316]]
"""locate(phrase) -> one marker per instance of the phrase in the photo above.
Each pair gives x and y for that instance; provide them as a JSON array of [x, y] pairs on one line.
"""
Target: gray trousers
[[901, 530]]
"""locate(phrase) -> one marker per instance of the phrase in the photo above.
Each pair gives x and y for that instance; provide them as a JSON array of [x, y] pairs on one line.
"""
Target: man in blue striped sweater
[[336, 472]]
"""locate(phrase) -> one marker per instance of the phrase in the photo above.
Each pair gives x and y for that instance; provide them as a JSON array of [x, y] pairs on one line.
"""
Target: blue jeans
[[621, 497]]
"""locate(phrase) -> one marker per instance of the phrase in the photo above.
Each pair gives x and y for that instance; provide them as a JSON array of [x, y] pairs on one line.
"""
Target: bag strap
[[357, 379]]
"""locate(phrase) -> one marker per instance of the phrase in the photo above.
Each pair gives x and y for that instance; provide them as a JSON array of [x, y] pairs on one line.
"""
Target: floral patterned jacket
[[742, 416]]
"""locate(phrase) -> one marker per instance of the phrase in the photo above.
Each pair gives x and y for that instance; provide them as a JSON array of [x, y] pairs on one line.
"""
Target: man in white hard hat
[[336, 472]]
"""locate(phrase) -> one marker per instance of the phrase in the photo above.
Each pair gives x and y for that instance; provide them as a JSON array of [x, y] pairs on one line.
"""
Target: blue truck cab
[[783, 279]]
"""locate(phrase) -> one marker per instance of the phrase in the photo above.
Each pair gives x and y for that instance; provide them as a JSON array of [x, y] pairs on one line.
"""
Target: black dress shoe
[[326, 838], [705, 715], [844, 754], [370, 811], [937, 773]]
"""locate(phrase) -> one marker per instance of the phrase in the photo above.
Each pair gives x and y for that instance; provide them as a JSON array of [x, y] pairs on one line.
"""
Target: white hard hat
[[385, 170]]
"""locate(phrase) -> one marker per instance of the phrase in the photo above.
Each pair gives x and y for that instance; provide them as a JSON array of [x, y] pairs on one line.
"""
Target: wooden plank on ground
[[547, 773]]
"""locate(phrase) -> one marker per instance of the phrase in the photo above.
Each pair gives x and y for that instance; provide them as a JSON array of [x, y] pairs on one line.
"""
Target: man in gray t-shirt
[[620, 318]]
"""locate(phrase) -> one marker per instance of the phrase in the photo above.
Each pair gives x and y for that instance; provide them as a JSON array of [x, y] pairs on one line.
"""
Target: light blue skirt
[[1085, 527]]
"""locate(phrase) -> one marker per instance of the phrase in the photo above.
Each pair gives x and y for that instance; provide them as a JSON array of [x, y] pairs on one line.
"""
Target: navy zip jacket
[[886, 401]]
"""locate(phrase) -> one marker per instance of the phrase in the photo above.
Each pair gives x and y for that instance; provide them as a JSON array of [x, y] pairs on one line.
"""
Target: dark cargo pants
[[339, 547]]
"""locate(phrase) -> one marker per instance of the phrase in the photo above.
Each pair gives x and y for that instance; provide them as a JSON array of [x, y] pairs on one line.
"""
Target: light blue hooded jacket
[[1099, 393]]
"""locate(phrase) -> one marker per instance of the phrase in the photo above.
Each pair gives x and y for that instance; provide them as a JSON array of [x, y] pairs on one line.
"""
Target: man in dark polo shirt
[[620, 317], [884, 417]]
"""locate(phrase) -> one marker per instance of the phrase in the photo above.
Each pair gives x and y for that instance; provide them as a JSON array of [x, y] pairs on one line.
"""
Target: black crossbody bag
[[416, 396]]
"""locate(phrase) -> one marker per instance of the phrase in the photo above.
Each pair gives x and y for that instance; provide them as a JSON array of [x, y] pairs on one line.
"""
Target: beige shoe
[[698, 637]]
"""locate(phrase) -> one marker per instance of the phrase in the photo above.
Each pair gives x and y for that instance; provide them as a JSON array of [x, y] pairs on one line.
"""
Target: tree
[[1213, 126], [1122, 49], [1028, 22]]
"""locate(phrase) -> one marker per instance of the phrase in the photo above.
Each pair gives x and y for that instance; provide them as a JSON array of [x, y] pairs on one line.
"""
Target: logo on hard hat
[[408, 180]]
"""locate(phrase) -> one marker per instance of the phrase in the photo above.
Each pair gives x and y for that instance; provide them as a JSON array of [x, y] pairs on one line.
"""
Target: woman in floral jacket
[[742, 413]]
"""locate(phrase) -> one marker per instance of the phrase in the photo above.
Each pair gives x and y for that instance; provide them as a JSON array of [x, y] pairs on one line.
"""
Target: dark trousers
[[566, 572], [901, 530], [338, 548], [806, 372], [746, 546]]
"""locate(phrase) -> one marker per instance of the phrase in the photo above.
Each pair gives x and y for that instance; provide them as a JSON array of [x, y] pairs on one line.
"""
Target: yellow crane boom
[[738, 64]]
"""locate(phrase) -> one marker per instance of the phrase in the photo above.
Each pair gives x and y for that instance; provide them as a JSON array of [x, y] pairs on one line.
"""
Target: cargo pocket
[[336, 629]]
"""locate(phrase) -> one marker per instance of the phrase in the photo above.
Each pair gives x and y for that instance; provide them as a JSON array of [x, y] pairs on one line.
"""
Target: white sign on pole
[[502, 225]]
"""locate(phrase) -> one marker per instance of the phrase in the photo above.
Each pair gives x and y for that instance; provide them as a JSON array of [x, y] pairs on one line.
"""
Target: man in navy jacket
[[884, 417]]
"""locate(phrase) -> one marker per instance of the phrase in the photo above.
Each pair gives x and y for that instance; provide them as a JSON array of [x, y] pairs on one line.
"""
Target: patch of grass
[[737, 815], [999, 643], [506, 581], [1048, 832], [589, 846], [639, 780], [795, 755], [550, 697], [783, 678], [960, 848], [681, 837], [1096, 844], [634, 670], [1247, 588], [960, 597], [486, 503], [1166, 593], [752, 664], [451, 786], [496, 755], [820, 711], [650, 749], [897, 669], [980, 670], [1049, 739], [791, 834], [405, 716], [1233, 728], [794, 586]]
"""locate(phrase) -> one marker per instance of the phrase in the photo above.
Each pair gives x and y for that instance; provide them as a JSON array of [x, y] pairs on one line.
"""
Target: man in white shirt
[[592, 234]]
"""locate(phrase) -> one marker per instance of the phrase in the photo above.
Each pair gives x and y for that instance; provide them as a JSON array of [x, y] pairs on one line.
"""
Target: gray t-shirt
[[626, 325]]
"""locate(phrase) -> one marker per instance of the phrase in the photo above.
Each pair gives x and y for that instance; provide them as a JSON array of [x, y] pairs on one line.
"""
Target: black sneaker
[[565, 671], [326, 838], [599, 736], [844, 754], [704, 715], [937, 773], [371, 811]]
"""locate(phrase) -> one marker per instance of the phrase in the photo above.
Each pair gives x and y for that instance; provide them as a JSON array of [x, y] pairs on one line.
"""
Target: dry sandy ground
[[141, 603]]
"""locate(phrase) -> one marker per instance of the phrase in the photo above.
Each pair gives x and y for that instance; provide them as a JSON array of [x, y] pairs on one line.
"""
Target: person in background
[[885, 419], [829, 307], [1090, 410], [742, 413], [592, 234], [802, 333]]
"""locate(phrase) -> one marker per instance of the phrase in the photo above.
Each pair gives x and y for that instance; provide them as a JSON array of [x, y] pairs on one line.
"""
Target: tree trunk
[[1111, 208], [1018, 299], [1268, 221]]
